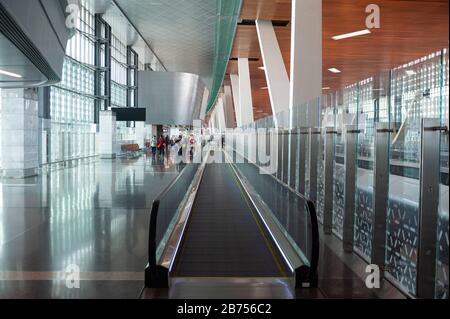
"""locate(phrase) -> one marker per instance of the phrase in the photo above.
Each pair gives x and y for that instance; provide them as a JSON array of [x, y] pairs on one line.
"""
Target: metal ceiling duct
[[171, 98], [33, 41]]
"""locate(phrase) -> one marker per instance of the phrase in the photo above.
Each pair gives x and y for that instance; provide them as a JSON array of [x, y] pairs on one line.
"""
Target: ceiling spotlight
[[264, 88], [326, 88], [334, 70], [410, 72], [351, 34], [261, 68], [14, 75]]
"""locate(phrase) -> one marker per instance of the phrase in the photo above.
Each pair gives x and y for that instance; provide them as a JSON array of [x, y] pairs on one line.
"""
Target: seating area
[[130, 150]]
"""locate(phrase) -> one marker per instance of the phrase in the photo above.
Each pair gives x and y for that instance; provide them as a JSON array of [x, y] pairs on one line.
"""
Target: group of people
[[163, 145]]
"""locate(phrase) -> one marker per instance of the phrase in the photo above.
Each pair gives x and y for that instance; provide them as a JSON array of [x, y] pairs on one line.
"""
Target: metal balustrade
[[373, 158]]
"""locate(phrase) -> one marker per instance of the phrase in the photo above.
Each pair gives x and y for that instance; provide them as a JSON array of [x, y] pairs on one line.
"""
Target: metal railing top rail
[[304, 273]]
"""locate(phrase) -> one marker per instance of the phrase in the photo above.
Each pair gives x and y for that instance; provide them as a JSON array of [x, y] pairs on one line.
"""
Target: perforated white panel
[[181, 32]]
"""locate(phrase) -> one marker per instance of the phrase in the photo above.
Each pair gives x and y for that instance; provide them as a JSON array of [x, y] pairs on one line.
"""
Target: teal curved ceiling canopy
[[227, 17]]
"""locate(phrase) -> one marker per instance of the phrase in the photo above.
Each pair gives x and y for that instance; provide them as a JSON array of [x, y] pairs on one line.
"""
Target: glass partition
[[169, 202], [400, 98], [415, 94], [290, 211], [372, 108], [442, 266]]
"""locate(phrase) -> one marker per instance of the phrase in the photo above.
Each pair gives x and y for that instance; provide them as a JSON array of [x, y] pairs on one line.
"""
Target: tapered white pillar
[[204, 104], [237, 106], [245, 92], [221, 113], [228, 107], [306, 52], [213, 120], [274, 68], [139, 130]]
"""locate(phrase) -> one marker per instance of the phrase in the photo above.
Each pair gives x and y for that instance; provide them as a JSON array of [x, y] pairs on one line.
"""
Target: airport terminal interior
[[215, 149]]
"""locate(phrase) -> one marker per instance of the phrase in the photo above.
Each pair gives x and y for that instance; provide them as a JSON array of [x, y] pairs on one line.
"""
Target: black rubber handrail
[[154, 275], [306, 274], [311, 274]]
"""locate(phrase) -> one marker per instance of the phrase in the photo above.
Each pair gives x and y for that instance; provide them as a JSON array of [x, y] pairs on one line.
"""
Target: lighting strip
[[334, 70], [14, 75], [351, 34]]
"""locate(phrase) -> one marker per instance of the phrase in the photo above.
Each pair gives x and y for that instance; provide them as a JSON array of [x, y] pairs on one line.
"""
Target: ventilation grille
[[249, 59], [275, 23], [15, 35]]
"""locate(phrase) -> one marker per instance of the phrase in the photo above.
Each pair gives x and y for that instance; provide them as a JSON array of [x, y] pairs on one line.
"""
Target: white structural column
[[20, 129], [107, 134], [275, 70], [237, 107], [221, 113], [306, 51], [213, 120], [139, 130], [228, 107], [204, 104], [245, 92]]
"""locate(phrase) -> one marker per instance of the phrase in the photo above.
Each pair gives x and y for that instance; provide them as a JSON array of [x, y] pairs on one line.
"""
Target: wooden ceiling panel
[[409, 29]]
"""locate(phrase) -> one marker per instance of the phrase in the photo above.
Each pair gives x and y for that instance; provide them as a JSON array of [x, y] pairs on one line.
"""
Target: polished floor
[[93, 216]]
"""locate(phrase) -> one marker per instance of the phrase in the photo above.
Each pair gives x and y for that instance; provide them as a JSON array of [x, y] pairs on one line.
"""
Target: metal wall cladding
[[37, 35], [171, 98]]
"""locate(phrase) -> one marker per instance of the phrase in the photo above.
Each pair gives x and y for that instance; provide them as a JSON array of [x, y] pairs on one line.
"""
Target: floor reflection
[[94, 215]]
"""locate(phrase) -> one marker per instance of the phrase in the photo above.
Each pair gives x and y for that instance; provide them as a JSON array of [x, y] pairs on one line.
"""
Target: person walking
[[153, 145], [161, 145], [167, 143], [179, 142]]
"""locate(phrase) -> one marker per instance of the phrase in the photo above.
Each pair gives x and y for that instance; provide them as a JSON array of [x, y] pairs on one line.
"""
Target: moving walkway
[[210, 225]]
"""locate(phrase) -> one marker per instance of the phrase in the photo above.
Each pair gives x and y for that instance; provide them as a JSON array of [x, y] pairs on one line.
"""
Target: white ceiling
[[180, 32]]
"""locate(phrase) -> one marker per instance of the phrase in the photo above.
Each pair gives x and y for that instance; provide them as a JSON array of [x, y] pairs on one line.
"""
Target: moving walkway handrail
[[157, 271], [304, 274], [152, 267], [315, 244]]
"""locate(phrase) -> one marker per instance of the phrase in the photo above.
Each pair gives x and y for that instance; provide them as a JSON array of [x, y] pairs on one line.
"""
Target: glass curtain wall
[[119, 89], [72, 101], [72, 129]]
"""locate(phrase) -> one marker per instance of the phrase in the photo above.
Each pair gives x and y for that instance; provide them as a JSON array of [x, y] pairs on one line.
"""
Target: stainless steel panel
[[285, 174], [252, 146], [170, 98], [314, 138], [428, 207], [38, 28], [303, 139], [329, 170], [351, 135], [246, 138], [380, 193], [279, 172], [293, 158]]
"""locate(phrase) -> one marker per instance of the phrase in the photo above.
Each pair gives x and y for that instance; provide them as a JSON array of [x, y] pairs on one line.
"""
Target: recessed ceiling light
[[351, 34], [14, 75], [410, 72], [326, 88], [261, 68], [264, 88], [334, 70]]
